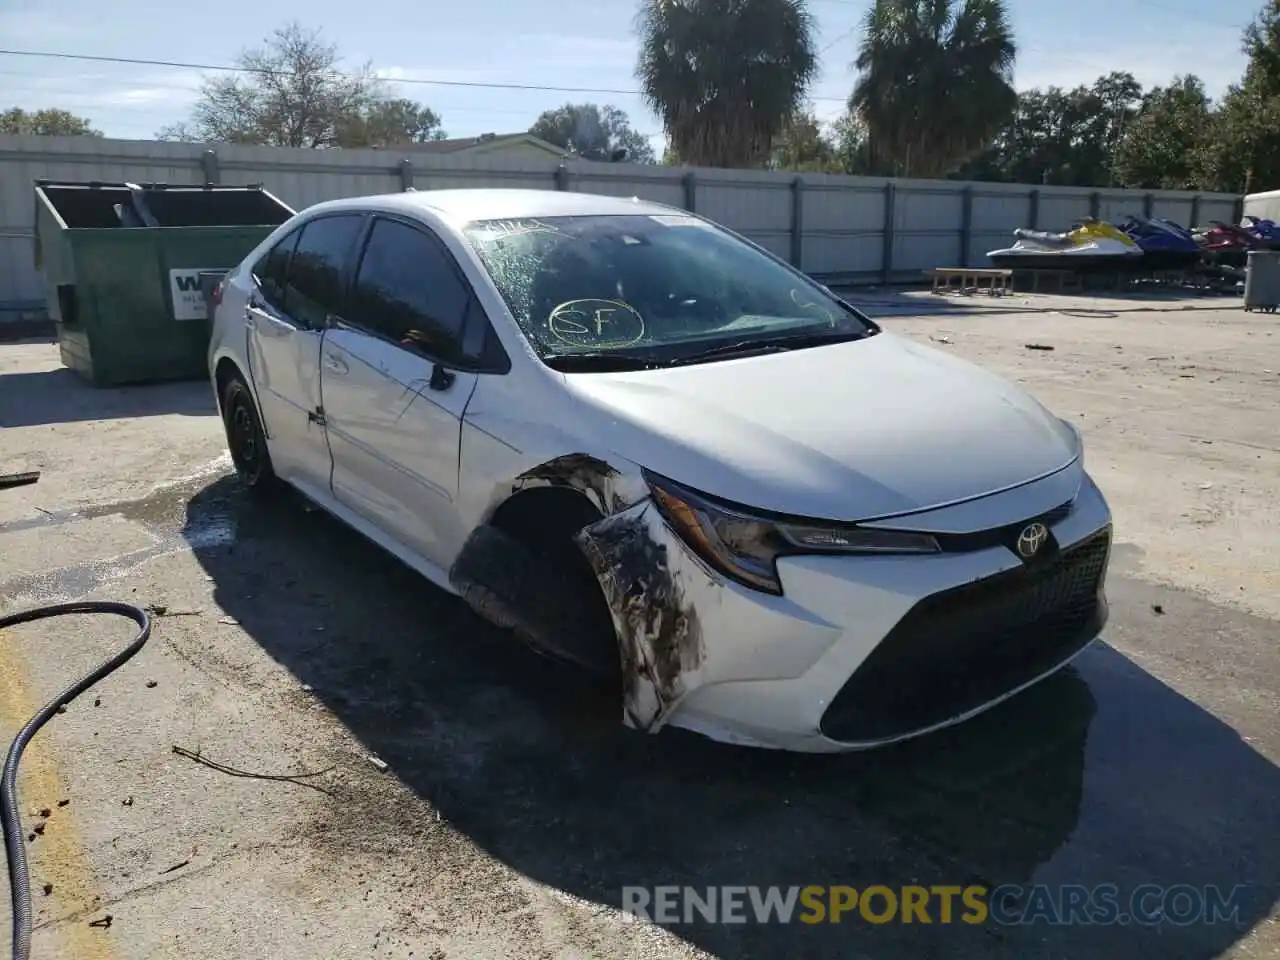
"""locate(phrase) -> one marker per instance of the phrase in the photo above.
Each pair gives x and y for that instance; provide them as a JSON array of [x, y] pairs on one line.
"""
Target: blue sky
[[573, 43]]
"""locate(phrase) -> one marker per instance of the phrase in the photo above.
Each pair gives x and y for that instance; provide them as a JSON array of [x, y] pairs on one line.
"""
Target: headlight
[[747, 547]]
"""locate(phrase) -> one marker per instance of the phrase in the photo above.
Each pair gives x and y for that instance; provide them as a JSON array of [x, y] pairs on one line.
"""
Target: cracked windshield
[[640, 480], [662, 287]]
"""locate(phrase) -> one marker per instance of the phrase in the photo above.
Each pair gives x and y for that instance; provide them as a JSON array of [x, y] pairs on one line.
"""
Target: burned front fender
[[608, 489], [652, 587]]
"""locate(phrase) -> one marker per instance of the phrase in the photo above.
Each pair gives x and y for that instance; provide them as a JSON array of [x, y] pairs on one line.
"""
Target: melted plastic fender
[[650, 584]]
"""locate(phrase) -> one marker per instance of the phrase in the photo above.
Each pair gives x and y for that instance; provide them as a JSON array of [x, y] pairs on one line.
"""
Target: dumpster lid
[[95, 204]]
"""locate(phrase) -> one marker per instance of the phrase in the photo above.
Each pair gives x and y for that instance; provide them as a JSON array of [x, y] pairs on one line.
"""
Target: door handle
[[335, 363]]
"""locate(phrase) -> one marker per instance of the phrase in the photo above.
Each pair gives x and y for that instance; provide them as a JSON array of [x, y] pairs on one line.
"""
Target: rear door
[[396, 379], [297, 285]]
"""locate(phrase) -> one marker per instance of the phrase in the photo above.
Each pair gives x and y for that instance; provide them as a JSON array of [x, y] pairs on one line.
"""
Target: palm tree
[[935, 82], [725, 76]]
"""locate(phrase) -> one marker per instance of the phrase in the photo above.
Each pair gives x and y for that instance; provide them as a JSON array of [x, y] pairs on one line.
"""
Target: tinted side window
[[271, 270], [315, 272], [409, 291]]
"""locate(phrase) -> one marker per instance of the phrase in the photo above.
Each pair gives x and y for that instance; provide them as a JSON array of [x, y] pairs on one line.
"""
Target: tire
[[550, 601], [245, 437]]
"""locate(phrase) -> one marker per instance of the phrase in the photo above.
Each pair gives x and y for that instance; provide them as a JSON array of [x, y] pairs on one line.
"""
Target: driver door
[[396, 385]]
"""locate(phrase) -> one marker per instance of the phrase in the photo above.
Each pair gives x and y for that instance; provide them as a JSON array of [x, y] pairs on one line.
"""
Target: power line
[[474, 84], [33, 91]]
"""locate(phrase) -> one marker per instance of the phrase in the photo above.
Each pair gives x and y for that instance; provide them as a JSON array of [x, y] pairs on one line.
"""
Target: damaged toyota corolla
[[647, 445]]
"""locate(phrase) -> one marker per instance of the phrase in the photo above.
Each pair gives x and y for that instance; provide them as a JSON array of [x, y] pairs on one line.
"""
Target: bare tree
[[294, 92]]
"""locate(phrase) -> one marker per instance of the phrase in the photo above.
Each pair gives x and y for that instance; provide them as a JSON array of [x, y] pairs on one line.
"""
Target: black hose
[[10, 816]]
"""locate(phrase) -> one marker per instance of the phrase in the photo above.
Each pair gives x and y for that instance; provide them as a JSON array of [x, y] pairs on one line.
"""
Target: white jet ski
[[1090, 246]]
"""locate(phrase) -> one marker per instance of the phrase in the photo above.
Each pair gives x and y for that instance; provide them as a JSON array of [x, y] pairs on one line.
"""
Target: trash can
[[1262, 281], [128, 270]]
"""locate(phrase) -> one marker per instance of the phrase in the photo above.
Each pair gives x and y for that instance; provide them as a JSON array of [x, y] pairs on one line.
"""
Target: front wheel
[[245, 437]]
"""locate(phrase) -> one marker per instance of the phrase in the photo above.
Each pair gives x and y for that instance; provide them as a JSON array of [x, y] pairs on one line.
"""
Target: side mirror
[[441, 379]]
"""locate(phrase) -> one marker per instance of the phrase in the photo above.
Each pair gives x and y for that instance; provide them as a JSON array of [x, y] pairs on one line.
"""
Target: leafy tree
[[385, 123], [1243, 153], [1162, 149], [46, 123], [592, 131], [725, 75], [1062, 136], [1117, 98], [293, 92], [803, 146], [934, 82], [853, 149]]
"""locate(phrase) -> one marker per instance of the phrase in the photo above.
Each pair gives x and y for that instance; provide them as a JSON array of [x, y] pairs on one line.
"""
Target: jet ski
[[1227, 245], [1265, 230], [1165, 244], [1089, 246]]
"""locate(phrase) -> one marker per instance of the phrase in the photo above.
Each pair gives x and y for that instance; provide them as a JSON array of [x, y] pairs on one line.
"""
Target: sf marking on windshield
[[565, 323], [584, 322]]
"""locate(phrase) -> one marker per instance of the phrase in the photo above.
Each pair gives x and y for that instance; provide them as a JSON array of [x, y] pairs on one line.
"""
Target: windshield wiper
[[766, 345], [598, 361]]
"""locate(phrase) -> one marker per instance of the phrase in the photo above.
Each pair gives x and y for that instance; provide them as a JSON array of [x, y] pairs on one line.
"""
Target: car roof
[[465, 206]]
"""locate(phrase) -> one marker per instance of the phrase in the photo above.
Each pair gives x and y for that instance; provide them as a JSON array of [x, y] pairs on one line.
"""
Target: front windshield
[[656, 287]]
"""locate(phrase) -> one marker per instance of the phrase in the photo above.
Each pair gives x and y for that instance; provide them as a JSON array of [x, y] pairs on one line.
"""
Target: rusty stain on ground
[[57, 856]]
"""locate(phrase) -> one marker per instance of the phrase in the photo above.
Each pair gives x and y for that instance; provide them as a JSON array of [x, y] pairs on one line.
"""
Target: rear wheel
[[245, 437]]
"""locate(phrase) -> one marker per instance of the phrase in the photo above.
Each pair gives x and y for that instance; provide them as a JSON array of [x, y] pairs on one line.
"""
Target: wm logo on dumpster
[[184, 289]]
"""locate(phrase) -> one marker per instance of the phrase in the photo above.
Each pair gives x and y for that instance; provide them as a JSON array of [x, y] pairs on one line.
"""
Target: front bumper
[[859, 651]]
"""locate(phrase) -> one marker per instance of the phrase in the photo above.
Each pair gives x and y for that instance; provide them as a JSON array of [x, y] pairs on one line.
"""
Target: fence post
[[1195, 211], [797, 221], [1033, 215], [562, 177], [406, 175], [690, 182], [1237, 210], [1095, 204], [209, 164], [890, 222], [966, 225], [1148, 206]]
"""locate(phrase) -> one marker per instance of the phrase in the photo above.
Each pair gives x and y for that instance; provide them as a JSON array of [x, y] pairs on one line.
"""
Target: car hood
[[851, 431]]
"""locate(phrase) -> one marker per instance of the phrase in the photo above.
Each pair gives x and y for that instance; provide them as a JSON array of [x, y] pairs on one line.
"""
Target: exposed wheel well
[[223, 374], [543, 520], [542, 514]]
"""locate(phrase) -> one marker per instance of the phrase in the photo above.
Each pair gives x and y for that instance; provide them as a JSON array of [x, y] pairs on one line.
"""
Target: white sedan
[[647, 445]]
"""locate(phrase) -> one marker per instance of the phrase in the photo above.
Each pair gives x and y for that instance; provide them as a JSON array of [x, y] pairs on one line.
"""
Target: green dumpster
[[128, 267]]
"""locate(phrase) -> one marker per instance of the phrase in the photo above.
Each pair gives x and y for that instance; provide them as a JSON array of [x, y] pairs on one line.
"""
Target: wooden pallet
[[986, 280]]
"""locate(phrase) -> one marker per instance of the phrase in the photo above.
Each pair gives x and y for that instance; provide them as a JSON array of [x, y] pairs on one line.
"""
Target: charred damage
[[596, 480], [577, 565], [659, 633]]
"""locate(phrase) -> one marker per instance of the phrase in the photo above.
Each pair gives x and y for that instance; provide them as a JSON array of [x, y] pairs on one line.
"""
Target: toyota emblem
[[1031, 539]]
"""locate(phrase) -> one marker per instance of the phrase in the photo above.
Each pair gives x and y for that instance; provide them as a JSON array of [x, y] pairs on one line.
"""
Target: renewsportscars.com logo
[[1065, 905]]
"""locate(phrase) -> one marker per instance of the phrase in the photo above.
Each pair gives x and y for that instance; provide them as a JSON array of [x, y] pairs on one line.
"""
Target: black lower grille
[[956, 650]]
